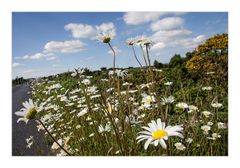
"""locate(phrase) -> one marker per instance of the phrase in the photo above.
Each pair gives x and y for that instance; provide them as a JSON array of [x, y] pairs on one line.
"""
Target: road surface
[[21, 131]]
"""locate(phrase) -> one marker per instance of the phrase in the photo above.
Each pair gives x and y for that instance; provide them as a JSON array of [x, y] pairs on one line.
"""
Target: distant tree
[[189, 55], [103, 68], [175, 61], [87, 71], [157, 64]]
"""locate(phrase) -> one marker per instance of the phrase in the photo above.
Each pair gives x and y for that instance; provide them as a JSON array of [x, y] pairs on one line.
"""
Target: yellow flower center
[[159, 134], [31, 113], [148, 100], [106, 39], [110, 109]]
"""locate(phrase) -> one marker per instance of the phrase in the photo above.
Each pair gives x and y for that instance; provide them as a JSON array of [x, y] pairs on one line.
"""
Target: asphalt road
[[21, 131]]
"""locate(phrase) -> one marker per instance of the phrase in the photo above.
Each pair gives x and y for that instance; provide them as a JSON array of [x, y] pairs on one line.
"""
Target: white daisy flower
[[102, 129], [156, 133], [55, 145], [182, 105], [106, 37], [28, 112], [167, 100], [131, 41]]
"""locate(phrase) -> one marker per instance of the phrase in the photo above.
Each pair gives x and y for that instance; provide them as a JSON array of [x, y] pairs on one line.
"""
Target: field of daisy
[[176, 109]]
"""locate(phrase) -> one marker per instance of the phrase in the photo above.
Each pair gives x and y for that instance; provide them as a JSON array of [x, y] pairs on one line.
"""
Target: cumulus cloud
[[136, 18], [169, 23], [81, 30], [170, 32], [16, 64], [35, 56], [106, 27], [171, 35], [72, 46], [172, 38], [158, 45]]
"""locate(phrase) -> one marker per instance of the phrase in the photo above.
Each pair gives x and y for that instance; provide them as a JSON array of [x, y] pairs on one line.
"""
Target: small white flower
[[91, 135], [148, 99], [167, 100], [74, 74], [216, 105], [206, 113], [86, 82], [107, 128], [205, 128], [210, 123], [221, 125], [179, 146], [216, 135], [83, 112], [55, 145], [168, 83], [78, 126], [189, 140], [208, 88], [182, 105], [192, 109], [157, 70]]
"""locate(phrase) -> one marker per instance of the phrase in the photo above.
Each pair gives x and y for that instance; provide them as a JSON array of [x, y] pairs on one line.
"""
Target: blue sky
[[51, 43]]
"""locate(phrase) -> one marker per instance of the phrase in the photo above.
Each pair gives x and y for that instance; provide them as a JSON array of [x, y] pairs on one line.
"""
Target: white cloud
[[72, 46], [170, 32], [159, 45], [16, 64], [28, 71], [35, 56], [169, 23], [81, 30], [51, 58], [106, 27], [136, 18], [192, 42], [116, 49], [171, 35]]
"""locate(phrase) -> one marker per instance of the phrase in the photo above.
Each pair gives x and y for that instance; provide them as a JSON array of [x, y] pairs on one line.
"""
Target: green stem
[[143, 55], [134, 53], [53, 137]]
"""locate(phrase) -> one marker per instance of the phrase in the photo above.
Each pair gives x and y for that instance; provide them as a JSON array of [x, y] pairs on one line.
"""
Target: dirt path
[[21, 131]]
